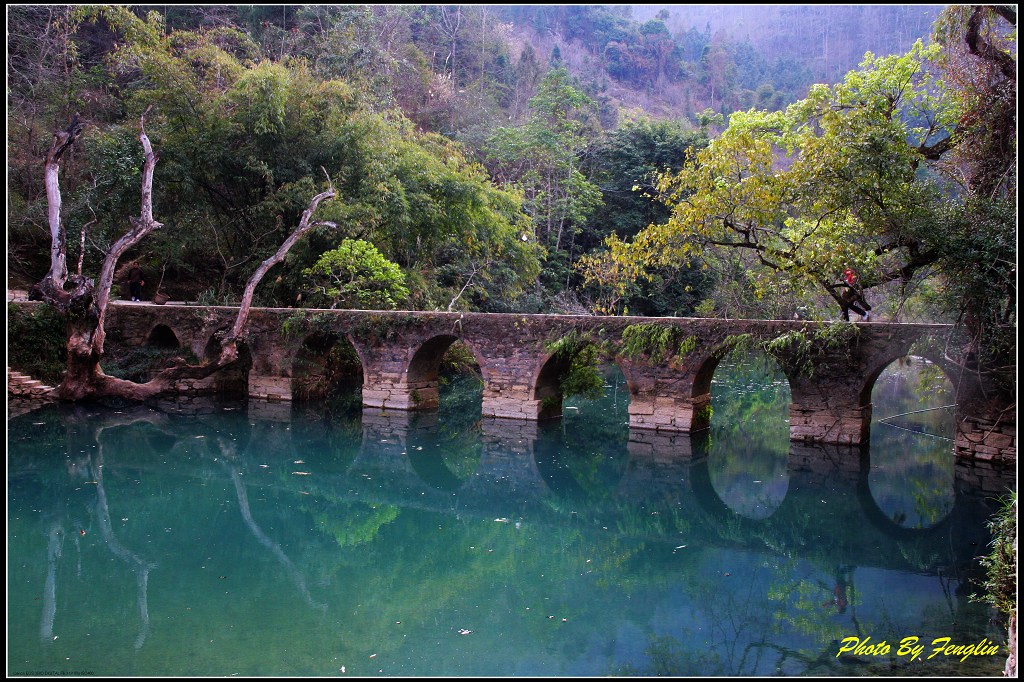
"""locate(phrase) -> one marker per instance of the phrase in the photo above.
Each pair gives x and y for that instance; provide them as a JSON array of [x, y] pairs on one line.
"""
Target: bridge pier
[[679, 414], [830, 407], [389, 394], [829, 424], [504, 406], [264, 387], [669, 398], [987, 440]]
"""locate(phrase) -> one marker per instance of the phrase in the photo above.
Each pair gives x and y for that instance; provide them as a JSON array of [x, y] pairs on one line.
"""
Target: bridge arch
[[881, 362], [234, 381], [422, 375], [162, 336], [546, 385], [914, 426], [324, 363], [750, 401]]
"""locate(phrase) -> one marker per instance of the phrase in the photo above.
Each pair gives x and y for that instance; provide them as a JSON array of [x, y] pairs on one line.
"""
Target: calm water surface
[[264, 539]]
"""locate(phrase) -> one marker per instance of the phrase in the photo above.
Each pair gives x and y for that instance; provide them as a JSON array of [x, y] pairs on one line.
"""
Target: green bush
[[1000, 585], [580, 357], [37, 342]]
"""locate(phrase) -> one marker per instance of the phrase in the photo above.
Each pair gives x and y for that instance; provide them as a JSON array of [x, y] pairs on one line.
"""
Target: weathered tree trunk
[[85, 302]]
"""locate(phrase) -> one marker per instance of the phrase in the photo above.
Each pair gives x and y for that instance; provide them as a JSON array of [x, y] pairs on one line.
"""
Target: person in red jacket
[[852, 297]]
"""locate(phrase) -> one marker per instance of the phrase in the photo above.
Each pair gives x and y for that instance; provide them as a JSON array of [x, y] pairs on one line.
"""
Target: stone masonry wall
[[400, 352]]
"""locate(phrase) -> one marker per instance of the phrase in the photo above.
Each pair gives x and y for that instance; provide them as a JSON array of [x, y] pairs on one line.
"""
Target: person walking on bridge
[[852, 297], [135, 282]]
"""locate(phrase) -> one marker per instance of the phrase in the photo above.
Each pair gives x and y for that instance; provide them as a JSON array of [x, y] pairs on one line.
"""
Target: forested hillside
[[483, 155]]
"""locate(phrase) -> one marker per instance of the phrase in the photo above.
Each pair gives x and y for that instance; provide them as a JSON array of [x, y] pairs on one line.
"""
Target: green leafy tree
[[356, 275], [978, 58], [834, 181], [243, 138], [543, 158], [626, 165]]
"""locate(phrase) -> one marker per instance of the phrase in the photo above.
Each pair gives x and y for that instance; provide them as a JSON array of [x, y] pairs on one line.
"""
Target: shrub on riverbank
[[37, 342]]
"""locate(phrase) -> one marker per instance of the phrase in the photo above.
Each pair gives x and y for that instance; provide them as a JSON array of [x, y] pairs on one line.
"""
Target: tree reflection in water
[[912, 463], [574, 547], [749, 446]]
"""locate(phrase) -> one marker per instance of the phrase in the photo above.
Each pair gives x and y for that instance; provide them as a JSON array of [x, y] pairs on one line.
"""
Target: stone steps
[[23, 386]]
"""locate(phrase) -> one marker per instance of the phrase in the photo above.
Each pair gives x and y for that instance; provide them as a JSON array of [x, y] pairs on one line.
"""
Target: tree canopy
[[491, 170], [242, 139]]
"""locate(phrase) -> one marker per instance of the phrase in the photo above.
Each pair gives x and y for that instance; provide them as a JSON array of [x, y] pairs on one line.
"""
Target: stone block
[[640, 408]]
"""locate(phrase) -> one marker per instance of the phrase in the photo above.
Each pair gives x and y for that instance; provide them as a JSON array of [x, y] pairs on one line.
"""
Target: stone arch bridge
[[831, 367]]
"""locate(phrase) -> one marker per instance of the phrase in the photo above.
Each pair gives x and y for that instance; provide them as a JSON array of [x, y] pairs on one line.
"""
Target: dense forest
[[482, 150], [529, 158]]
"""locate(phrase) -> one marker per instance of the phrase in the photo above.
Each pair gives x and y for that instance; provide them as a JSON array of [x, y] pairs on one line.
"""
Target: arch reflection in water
[[255, 523], [912, 463], [749, 444], [583, 455]]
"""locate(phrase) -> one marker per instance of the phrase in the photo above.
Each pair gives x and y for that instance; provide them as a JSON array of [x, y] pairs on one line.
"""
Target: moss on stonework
[[659, 342]]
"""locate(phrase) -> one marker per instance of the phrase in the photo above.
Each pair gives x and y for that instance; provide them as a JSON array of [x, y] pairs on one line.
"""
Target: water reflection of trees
[[86, 440], [445, 566], [583, 455]]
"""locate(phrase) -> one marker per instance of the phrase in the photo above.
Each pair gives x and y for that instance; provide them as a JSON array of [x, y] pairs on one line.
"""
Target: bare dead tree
[[84, 302]]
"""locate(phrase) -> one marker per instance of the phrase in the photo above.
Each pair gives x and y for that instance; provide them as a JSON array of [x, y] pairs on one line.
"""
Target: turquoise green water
[[271, 540]]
